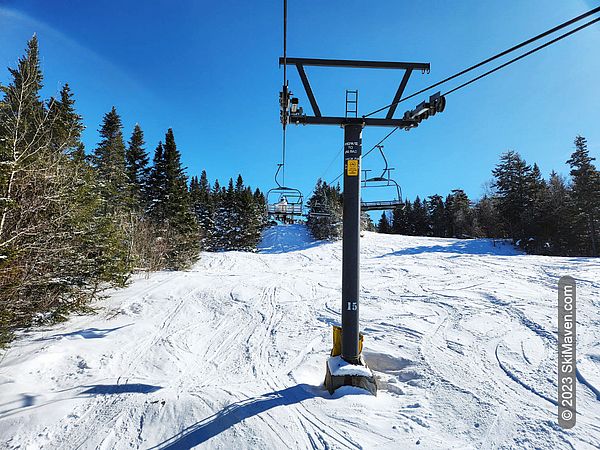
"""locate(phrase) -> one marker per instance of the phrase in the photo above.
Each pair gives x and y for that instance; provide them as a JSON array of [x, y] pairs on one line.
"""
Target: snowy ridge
[[232, 354]]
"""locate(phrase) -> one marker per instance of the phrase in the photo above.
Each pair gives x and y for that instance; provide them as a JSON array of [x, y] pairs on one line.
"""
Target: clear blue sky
[[209, 70]]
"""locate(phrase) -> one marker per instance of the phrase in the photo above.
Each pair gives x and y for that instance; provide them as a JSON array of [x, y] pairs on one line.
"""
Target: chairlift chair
[[317, 211], [284, 203], [382, 181]]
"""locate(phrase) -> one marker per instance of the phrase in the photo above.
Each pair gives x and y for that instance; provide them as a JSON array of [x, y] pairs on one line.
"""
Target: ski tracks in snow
[[232, 354]]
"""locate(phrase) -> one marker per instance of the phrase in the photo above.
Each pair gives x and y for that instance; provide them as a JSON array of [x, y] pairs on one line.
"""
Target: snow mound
[[340, 368]]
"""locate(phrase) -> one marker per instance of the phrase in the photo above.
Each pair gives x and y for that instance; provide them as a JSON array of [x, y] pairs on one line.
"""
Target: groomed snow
[[231, 355]]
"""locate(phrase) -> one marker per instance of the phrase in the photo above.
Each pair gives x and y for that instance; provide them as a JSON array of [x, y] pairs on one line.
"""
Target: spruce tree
[[178, 219], [109, 162], [513, 182], [56, 248], [488, 218], [400, 218], [136, 160], [420, 218], [586, 197], [325, 211], [458, 212], [156, 190], [366, 223], [203, 207], [66, 124], [21, 113], [437, 215], [553, 215], [383, 226]]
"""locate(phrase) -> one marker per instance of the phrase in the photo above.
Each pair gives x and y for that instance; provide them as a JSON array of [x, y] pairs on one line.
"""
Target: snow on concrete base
[[340, 368]]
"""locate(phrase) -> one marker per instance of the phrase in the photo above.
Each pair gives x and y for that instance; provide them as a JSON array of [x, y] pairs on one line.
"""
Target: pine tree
[[437, 214], [383, 226], [586, 197], [203, 206], [55, 249], [136, 160], [366, 223], [458, 211], [109, 162], [513, 182], [67, 125], [178, 220], [488, 219], [156, 190], [420, 218], [325, 211], [400, 218]]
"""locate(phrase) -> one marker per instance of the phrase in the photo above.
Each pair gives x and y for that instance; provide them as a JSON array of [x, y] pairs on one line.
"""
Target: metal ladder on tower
[[351, 103]]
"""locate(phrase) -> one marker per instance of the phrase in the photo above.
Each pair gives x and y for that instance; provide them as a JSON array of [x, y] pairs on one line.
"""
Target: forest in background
[[75, 222], [554, 216]]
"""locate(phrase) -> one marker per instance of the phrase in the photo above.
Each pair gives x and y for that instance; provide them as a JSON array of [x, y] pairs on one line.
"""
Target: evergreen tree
[[21, 113], [66, 125], [532, 220], [173, 207], [515, 193], [586, 197], [437, 215], [226, 224], [156, 190], [55, 247], [136, 160], [252, 213], [420, 218], [203, 206], [488, 219], [325, 211], [383, 226], [458, 213], [366, 223], [554, 213], [400, 218], [109, 162]]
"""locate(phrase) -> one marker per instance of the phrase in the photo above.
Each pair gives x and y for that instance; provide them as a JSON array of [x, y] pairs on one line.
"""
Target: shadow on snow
[[111, 389], [465, 247], [237, 412], [29, 401], [88, 333]]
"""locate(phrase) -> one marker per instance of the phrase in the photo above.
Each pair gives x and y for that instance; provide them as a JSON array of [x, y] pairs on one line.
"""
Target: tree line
[[73, 223], [554, 216]]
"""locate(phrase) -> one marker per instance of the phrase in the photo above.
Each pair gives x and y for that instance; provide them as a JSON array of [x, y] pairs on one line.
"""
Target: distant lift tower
[[349, 368]]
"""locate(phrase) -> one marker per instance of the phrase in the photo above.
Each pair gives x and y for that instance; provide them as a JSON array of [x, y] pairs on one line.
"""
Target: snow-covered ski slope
[[232, 354]]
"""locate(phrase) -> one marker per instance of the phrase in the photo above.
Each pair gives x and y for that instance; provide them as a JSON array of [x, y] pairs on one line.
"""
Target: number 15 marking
[[352, 306]]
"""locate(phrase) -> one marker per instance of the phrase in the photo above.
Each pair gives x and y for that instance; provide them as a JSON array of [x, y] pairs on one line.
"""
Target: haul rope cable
[[492, 58], [516, 47]]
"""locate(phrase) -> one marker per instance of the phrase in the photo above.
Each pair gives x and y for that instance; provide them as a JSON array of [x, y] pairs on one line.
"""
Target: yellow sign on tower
[[352, 167]]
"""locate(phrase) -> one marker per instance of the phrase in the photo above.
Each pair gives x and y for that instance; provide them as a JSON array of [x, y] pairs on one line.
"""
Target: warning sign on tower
[[352, 167]]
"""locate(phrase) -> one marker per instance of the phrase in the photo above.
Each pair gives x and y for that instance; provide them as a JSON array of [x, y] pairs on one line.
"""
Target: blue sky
[[209, 70]]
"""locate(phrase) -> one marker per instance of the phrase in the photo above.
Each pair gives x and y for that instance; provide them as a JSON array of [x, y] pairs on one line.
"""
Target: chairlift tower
[[353, 125]]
